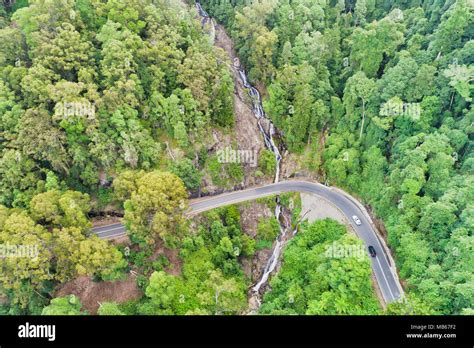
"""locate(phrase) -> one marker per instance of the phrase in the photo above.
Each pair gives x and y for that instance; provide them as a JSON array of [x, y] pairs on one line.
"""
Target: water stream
[[268, 135]]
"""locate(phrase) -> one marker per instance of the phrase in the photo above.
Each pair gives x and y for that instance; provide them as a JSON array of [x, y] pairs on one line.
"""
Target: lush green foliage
[[268, 229], [225, 174], [267, 162], [186, 171], [68, 305], [89, 88], [109, 308], [155, 205], [391, 82], [311, 282], [53, 235], [212, 281], [376, 96]]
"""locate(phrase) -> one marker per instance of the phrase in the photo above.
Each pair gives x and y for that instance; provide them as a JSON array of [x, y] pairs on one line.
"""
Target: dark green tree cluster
[[90, 88], [312, 281], [222, 234], [211, 280], [391, 82]]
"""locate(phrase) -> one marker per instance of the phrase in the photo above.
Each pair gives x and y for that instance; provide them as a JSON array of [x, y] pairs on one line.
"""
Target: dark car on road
[[372, 251]]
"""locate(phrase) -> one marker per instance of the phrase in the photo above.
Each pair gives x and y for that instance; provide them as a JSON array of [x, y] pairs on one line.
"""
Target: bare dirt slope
[[93, 293]]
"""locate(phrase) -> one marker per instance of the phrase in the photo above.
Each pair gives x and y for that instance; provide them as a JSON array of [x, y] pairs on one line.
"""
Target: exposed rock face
[[265, 122], [208, 188], [259, 262], [246, 135], [246, 266], [254, 305], [289, 166], [250, 215]]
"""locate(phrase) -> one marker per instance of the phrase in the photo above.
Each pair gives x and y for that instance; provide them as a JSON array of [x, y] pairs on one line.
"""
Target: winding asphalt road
[[385, 272]]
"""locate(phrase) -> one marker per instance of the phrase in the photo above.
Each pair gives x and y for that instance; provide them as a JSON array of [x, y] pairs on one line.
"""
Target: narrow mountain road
[[384, 270]]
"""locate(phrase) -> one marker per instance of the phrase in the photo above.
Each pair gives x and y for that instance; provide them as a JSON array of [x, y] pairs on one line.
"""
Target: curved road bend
[[385, 275]]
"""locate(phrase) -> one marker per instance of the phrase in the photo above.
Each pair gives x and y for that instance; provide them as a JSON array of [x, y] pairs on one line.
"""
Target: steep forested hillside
[[310, 282], [90, 87], [120, 106], [391, 83]]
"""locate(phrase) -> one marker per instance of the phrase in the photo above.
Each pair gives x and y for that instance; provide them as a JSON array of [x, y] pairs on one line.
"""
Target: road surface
[[385, 273]]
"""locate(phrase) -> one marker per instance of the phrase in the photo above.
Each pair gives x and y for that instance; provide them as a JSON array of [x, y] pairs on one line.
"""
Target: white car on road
[[356, 220]]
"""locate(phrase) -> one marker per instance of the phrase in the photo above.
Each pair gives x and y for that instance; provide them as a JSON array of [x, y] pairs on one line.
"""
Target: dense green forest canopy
[[89, 90], [93, 94], [390, 84], [312, 283]]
